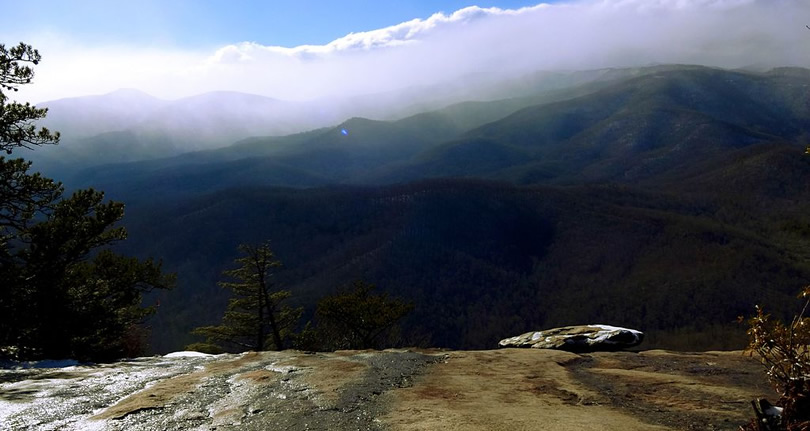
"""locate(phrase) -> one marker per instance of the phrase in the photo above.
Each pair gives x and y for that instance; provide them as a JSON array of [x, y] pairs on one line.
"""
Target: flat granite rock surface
[[505, 389]]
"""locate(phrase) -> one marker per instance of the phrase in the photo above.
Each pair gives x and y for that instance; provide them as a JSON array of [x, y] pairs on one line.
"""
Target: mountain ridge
[[185, 127], [671, 201]]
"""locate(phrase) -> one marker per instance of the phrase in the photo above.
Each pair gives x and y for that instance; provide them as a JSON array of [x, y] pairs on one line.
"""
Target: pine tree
[[17, 128], [62, 294], [256, 317], [358, 318]]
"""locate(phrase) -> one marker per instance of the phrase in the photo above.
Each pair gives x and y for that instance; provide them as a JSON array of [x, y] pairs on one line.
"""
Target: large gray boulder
[[585, 338]]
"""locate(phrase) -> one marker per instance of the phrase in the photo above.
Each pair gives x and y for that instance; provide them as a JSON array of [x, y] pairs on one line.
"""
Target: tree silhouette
[[17, 128], [357, 318], [256, 317], [61, 293]]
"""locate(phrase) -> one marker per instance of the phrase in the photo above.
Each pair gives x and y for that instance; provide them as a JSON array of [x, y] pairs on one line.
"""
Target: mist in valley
[[189, 100], [483, 162]]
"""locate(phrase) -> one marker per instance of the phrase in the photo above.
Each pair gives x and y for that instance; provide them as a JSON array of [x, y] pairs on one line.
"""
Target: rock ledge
[[584, 338]]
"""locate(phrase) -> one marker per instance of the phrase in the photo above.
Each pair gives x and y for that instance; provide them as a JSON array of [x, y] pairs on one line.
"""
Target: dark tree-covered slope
[[671, 201], [483, 260]]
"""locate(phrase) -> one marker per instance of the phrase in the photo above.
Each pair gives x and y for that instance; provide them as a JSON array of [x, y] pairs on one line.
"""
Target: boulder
[[585, 338]]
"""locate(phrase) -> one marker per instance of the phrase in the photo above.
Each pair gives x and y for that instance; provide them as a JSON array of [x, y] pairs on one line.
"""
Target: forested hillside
[[670, 199], [481, 260]]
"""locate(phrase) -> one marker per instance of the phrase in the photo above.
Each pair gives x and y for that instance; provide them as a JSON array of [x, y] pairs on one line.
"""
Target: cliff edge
[[506, 389]]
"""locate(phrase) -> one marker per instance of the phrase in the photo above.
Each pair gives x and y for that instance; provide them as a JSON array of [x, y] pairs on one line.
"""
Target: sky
[[307, 49], [200, 24]]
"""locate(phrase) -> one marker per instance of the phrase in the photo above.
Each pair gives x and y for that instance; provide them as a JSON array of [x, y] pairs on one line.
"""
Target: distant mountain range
[[648, 127], [669, 198], [129, 125]]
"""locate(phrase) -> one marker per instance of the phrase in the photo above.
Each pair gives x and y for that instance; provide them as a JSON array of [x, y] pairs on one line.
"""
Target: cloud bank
[[585, 34]]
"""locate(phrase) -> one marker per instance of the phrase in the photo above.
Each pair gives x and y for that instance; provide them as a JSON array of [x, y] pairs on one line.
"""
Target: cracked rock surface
[[505, 389], [251, 391]]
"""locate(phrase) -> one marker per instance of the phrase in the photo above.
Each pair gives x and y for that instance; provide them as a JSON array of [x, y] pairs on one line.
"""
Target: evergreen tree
[[61, 293], [256, 317], [358, 318], [17, 128]]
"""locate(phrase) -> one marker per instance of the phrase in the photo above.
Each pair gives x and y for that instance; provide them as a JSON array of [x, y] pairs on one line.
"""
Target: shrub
[[785, 352]]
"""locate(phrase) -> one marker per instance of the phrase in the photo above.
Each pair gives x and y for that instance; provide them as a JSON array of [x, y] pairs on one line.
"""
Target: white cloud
[[577, 34]]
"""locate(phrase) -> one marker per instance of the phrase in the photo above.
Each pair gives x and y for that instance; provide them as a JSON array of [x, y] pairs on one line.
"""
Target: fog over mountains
[[626, 125], [669, 198], [437, 49], [130, 125]]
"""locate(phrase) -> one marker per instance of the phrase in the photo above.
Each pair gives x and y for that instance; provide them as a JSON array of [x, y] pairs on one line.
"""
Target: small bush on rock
[[785, 352]]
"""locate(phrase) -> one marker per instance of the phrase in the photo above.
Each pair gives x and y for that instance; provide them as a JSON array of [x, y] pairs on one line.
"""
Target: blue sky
[[306, 49], [193, 24]]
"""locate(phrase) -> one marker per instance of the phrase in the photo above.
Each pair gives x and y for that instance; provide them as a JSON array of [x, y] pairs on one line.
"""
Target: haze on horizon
[[439, 48]]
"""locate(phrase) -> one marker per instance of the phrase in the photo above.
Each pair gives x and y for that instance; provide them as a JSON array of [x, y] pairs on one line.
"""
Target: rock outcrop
[[394, 390], [586, 338]]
